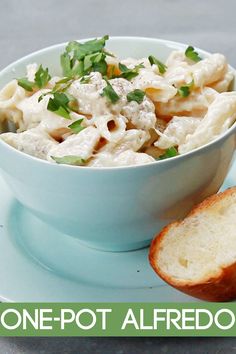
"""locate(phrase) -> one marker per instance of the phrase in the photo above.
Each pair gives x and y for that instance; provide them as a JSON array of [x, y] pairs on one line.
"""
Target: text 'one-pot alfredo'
[[108, 112]]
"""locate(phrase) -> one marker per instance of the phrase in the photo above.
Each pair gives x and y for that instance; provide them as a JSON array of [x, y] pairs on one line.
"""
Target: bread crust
[[220, 286]]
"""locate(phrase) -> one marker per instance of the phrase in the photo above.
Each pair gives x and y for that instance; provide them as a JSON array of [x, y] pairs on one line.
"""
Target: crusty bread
[[198, 254]]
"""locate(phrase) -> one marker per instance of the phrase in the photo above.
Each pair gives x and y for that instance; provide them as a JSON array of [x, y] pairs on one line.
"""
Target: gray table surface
[[28, 25]]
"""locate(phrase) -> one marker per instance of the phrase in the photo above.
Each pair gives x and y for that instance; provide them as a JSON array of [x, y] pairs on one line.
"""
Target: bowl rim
[[178, 45]]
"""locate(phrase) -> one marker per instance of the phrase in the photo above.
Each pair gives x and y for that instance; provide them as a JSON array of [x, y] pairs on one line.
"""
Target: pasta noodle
[[10, 95], [220, 116], [196, 104], [34, 142], [82, 145], [209, 70]]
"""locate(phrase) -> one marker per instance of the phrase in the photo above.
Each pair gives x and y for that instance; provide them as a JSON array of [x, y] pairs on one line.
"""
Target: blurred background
[[29, 25]]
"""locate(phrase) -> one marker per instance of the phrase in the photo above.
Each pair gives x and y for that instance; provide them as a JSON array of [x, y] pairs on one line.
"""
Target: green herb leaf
[[81, 58], [100, 66], [85, 79], [110, 93], [171, 152], [80, 50], [72, 47], [78, 69], [66, 64], [108, 53], [95, 62], [127, 73], [62, 85], [76, 126], [191, 54], [89, 47], [42, 77], [60, 111], [59, 104], [123, 68], [40, 80], [26, 84], [136, 95], [69, 160], [185, 90], [161, 66], [88, 61]]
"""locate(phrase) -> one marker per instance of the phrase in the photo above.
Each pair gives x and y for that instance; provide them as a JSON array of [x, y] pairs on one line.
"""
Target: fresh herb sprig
[[110, 93], [26, 84], [191, 54], [63, 84], [41, 79], [80, 59], [161, 66], [76, 126], [59, 104], [136, 95], [185, 90], [127, 73]]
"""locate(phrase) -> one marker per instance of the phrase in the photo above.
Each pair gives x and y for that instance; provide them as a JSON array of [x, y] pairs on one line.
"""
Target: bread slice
[[198, 254]]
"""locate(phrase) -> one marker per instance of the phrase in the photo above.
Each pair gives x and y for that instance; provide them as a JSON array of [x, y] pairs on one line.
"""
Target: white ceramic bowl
[[117, 208]]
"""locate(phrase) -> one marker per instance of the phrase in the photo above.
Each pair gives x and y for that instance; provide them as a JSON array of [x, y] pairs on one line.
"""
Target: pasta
[[176, 132], [195, 104], [220, 116], [82, 144], [34, 142], [223, 84], [209, 70], [156, 87], [10, 95], [103, 112], [110, 127]]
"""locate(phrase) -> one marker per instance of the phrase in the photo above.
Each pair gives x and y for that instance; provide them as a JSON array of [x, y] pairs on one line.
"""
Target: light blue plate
[[38, 263]]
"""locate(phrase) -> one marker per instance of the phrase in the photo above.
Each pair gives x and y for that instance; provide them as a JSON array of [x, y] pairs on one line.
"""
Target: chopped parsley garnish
[[191, 54], [66, 65], [42, 77], [80, 59], [76, 127], [136, 95], [153, 60], [171, 152], [26, 84], [63, 84], [185, 90], [127, 73], [95, 62], [40, 80], [59, 104], [80, 50], [110, 93], [69, 160]]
